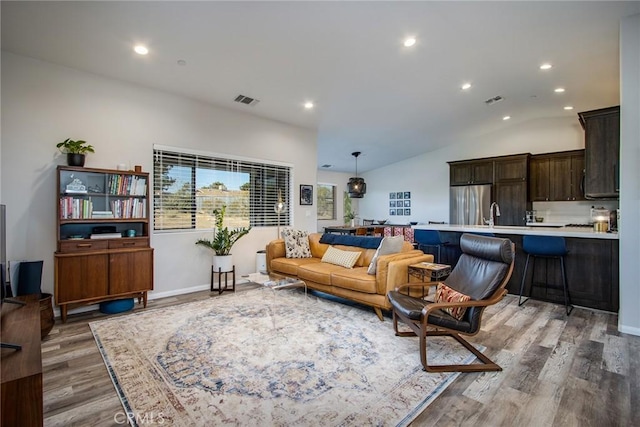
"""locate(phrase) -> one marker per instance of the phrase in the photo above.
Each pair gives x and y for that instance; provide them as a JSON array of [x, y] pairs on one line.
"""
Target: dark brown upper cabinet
[[471, 172], [602, 152], [556, 176]]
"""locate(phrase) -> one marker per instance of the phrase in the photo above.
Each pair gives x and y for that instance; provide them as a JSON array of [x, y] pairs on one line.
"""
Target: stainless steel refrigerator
[[469, 204]]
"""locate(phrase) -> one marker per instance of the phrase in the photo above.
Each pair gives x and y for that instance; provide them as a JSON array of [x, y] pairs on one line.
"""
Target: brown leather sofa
[[351, 283]]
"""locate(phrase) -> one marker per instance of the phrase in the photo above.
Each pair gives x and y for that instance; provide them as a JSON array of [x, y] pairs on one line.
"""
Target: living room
[[44, 102]]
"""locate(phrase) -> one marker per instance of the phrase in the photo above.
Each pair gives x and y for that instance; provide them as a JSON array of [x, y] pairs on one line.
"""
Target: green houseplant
[[349, 213], [223, 240], [75, 150]]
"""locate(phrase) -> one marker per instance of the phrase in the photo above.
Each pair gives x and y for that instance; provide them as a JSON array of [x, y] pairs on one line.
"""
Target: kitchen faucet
[[491, 223]]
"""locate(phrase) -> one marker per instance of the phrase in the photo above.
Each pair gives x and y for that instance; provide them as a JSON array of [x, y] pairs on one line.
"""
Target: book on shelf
[[106, 236], [127, 185], [101, 214], [75, 208]]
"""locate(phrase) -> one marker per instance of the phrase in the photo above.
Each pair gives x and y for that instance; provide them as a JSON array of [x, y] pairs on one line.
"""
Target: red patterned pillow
[[446, 294]]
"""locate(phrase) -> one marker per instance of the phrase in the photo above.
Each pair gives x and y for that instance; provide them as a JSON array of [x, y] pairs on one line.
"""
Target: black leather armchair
[[481, 273]]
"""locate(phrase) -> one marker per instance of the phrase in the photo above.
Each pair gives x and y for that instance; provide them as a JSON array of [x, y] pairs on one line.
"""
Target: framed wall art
[[306, 194]]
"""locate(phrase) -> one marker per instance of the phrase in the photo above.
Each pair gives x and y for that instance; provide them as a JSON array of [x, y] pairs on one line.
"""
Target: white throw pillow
[[296, 243], [339, 257], [389, 245]]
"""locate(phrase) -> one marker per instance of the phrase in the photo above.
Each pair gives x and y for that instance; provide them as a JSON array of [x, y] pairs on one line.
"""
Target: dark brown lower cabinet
[[591, 266]]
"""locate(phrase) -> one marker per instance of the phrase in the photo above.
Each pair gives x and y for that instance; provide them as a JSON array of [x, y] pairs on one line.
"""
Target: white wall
[[629, 319], [43, 104], [427, 176]]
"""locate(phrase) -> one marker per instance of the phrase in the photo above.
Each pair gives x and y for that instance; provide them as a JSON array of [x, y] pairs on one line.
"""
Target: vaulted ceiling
[[370, 93]]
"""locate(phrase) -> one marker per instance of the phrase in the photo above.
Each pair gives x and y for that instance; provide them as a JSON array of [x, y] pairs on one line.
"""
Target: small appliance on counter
[[601, 219]]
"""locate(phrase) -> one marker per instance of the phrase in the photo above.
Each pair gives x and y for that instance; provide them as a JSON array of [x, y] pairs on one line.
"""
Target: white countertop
[[580, 232]]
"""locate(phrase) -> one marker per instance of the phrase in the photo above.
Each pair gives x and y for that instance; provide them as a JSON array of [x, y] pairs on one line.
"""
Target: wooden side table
[[220, 288], [428, 270]]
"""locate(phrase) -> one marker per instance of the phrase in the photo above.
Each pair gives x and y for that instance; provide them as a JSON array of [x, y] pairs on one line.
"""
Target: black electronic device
[[103, 229]]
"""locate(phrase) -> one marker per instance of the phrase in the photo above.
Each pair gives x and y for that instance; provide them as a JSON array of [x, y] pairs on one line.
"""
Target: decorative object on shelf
[[75, 151], [75, 186], [279, 208], [223, 240], [357, 187], [306, 195]]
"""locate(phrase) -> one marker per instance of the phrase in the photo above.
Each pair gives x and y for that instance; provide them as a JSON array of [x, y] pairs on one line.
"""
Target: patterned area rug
[[266, 357]]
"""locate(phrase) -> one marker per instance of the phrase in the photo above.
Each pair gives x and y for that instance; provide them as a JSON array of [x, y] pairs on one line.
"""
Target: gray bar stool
[[550, 247]]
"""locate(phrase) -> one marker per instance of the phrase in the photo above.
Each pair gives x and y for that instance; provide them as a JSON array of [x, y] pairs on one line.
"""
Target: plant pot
[[75, 159], [222, 263]]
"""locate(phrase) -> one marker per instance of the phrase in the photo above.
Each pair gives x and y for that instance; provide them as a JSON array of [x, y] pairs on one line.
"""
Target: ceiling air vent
[[493, 100], [246, 100], [326, 166]]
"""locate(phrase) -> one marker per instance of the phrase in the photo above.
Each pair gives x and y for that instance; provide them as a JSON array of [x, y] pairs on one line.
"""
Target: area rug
[[270, 358]]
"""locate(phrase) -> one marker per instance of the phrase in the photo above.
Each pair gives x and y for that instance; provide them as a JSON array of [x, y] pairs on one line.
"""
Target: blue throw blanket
[[367, 242]]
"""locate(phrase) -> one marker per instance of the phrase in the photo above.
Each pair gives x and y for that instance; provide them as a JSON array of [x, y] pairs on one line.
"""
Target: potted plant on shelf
[[75, 151], [222, 242]]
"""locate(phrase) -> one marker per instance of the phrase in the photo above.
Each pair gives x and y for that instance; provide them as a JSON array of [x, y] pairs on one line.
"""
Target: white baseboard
[[629, 330], [151, 296]]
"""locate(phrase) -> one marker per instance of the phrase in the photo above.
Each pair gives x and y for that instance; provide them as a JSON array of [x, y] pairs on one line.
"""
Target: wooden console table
[[21, 369]]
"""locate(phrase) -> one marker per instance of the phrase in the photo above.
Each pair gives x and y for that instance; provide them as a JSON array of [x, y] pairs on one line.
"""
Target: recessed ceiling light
[[506, 117], [409, 42], [141, 50], [466, 86], [308, 105], [568, 107], [546, 66], [559, 90]]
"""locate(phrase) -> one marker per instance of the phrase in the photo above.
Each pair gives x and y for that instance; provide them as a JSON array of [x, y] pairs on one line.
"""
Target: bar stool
[[429, 238], [550, 247]]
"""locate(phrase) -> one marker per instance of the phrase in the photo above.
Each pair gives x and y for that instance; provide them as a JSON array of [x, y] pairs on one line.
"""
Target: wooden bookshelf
[[94, 204]]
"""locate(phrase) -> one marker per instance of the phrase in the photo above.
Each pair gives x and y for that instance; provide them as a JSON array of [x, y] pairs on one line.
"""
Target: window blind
[[188, 187]]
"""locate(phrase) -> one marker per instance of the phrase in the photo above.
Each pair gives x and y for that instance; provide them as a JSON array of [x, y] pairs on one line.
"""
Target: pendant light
[[356, 186]]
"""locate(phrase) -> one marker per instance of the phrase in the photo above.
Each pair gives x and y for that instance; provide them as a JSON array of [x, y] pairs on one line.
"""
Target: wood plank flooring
[[557, 371]]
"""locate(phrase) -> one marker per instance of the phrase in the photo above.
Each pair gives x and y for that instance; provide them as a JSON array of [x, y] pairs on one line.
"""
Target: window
[[187, 187], [326, 201]]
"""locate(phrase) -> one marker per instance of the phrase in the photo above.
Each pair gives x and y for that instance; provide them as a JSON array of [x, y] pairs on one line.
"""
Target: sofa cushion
[[355, 279], [319, 272], [336, 256], [366, 242], [389, 245], [446, 294], [296, 243], [290, 266]]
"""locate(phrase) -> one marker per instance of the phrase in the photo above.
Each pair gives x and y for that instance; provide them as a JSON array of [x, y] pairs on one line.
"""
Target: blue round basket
[[116, 306]]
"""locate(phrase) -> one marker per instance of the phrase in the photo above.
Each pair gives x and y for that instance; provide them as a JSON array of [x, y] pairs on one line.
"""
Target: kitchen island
[[591, 264]]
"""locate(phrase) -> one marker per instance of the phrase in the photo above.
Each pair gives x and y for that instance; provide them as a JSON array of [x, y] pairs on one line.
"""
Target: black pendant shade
[[356, 186]]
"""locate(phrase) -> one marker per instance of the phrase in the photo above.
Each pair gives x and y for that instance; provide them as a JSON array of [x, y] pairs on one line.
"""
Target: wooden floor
[[558, 371]]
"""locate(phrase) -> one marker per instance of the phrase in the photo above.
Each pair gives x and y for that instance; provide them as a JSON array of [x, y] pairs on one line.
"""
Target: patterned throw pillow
[[296, 243], [339, 257], [389, 245], [446, 294]]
